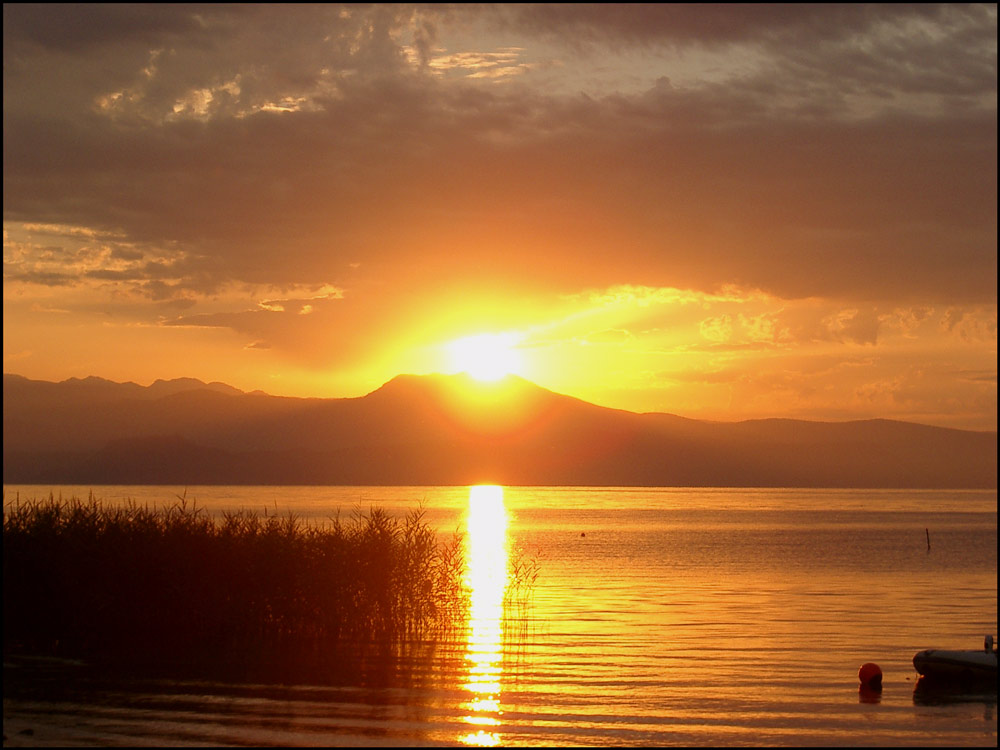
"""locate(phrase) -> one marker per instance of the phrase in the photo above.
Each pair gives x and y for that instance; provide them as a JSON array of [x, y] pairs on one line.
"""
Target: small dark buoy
[[582, 534], [870, 675]]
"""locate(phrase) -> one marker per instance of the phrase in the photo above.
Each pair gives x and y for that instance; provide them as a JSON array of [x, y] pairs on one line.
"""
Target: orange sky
[[724, 212]]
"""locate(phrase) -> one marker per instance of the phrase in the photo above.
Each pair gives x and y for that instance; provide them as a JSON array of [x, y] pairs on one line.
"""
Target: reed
[[86, 579]]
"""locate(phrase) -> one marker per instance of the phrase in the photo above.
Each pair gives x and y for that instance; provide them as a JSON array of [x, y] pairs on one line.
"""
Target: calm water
[[660, 617]]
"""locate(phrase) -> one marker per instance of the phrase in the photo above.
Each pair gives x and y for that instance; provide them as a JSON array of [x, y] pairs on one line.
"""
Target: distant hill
[[449, 430]]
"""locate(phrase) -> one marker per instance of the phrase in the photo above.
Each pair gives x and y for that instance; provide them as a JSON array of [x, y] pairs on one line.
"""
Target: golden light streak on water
[[486, 578]]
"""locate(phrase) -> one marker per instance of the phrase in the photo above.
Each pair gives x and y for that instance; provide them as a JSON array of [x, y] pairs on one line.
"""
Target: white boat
[[958, 666]]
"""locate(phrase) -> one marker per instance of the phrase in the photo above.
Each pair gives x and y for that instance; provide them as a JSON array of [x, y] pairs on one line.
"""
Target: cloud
[[980, 376], [679, 23], [701, 179], [499, 64], [804, 388], [76, 27], [853, 325], [608, 336], [717, 329], [745, 181], [976, 325], [928, 47], [86, 256]]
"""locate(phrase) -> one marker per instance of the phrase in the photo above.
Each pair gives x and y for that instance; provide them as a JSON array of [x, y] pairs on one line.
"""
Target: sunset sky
[[722, 212]]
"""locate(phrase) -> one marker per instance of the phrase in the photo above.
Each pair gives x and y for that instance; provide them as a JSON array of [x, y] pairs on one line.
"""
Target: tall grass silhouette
[[172, 584]]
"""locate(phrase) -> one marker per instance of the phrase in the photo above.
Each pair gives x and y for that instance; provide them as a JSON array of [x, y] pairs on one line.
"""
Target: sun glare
[[486, 577], [487, 357]]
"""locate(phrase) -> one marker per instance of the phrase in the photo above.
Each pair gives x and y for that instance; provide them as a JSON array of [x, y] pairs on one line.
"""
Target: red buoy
[[870, 675]]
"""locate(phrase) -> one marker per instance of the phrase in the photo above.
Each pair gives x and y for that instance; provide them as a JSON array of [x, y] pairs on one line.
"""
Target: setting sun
[[487, 356]]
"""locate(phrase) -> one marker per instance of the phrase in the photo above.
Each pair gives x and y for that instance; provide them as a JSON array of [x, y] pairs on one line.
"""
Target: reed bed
[[133, 583]]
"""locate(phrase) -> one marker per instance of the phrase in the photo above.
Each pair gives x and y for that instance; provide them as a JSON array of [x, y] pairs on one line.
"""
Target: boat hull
[[957, 666]]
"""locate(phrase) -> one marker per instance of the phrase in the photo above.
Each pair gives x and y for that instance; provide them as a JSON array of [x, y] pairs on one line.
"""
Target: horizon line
[[487, 384]]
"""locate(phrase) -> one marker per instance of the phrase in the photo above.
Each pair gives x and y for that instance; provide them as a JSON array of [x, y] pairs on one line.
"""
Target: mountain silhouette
[[449, 430]]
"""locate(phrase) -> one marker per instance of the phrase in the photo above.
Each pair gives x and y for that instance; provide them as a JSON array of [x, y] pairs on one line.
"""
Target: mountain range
[[449, 430]]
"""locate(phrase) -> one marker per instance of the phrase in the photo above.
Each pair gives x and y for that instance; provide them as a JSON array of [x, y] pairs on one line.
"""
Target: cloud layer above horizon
[[752, 210]]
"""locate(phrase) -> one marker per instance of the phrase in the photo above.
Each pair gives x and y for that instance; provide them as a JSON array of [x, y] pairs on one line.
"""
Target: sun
[[486, 356]]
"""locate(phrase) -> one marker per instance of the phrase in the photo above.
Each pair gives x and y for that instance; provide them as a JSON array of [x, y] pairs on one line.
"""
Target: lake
[[659, 617]]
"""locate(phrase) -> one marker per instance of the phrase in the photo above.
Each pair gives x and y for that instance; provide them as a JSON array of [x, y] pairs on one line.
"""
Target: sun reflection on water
[[486, 578]]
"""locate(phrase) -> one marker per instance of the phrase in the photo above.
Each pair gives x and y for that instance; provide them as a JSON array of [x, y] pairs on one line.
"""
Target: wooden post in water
[[928, 533]]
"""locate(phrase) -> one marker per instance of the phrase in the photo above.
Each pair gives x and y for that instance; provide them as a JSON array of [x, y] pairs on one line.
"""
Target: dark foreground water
[[659, 617]]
